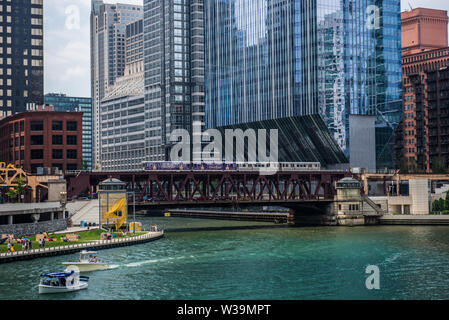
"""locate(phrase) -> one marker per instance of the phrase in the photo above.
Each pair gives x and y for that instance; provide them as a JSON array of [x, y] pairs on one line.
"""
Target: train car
[[166, 166], [239, 166]]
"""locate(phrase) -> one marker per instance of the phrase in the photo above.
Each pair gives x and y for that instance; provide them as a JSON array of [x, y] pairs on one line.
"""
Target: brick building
[[424, 51], [438, 115], [421, 109], [423, 29], [46, 139]]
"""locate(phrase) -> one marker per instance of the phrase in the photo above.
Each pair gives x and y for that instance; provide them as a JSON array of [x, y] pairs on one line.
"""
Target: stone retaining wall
[[34, 228]]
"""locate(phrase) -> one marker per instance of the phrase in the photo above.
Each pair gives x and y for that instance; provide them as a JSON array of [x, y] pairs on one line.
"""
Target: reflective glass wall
[[268, 59]]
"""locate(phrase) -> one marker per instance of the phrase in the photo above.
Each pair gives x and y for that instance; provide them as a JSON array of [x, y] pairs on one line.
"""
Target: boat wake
[[141, 263]]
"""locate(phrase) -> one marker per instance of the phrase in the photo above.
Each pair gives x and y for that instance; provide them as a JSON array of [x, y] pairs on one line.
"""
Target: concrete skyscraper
[[108, 27]]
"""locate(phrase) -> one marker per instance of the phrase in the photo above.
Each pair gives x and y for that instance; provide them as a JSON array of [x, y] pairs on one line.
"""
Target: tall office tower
[[21, 55], [122, 110], [107, 31], [174, 71], [270, 59], [62, 103]]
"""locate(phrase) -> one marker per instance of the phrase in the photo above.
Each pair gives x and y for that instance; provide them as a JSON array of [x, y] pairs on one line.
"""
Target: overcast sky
[[67, 42]]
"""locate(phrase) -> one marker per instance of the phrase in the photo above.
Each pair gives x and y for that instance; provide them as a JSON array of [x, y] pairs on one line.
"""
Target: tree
[[18, 191], [446, 202], [439, 165]]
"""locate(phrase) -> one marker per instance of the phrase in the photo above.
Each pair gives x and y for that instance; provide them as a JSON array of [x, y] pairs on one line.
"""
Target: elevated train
[[237, 166]]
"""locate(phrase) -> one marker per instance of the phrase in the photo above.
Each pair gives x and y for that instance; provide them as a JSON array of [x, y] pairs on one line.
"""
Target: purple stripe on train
[[184, 166]]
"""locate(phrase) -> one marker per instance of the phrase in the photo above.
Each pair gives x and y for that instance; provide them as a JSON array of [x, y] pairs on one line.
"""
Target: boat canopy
[[62, 274]]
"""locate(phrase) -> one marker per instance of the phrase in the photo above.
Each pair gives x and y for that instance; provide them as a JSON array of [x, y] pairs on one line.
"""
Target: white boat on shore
[[61, 282], [88, 262]]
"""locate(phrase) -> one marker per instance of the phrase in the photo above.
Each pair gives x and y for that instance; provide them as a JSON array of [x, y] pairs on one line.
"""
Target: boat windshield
[[53, 282]]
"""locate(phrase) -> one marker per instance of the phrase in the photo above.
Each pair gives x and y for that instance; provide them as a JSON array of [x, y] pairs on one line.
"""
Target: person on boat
[[9, 246], [12, 248]]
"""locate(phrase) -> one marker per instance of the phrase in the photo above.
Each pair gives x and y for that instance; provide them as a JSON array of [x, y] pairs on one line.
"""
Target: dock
[[231, 215], [426, 219], [73, 248]]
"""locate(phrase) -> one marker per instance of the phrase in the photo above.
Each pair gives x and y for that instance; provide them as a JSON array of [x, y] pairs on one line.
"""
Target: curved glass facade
[[269, 59]]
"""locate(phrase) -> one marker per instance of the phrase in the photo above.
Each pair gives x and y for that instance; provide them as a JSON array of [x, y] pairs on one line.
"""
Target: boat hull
[[87, 267], [50, 289]]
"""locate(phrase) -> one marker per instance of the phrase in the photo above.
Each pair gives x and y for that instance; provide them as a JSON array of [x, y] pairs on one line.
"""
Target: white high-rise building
[[108, 32]]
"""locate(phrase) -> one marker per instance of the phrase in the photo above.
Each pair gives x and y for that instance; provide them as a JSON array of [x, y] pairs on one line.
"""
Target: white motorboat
[[60, 282], [88, 262]]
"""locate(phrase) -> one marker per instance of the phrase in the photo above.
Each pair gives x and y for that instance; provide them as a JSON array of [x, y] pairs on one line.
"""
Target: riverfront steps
[[97, 245]]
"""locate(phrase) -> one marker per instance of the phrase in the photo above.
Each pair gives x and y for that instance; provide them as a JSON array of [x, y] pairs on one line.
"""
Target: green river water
[[265, 263]]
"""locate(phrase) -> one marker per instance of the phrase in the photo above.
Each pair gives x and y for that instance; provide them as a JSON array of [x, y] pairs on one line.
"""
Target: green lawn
[[85, 236]]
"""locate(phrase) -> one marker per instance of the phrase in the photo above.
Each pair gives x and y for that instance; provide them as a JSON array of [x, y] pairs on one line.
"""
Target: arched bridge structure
[[165, 189]]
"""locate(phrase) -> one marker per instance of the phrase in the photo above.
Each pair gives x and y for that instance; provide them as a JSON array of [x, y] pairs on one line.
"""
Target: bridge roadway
[[215, 188]]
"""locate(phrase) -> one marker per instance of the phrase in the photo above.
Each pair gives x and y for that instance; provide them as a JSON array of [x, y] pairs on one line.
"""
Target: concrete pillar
[[402, 209], [10, 220], [397, 185], [52, 216]]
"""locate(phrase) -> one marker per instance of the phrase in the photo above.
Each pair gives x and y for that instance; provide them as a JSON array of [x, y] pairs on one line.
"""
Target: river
[[257, 263]]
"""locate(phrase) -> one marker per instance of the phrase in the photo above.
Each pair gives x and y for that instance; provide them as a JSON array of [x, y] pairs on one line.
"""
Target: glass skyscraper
[[268, 59], [174, 71]]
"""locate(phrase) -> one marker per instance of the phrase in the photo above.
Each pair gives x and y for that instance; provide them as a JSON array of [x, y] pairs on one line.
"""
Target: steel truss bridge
[[191, 188]]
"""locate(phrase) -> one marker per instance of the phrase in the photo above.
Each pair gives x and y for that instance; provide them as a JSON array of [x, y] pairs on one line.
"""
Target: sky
[[67, 42]]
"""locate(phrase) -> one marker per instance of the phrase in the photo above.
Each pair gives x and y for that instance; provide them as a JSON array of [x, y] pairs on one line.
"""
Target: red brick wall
[[47, 133]]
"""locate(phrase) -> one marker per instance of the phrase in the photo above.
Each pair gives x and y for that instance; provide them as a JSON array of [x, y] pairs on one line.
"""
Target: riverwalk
[[425, 219], [68, 249]]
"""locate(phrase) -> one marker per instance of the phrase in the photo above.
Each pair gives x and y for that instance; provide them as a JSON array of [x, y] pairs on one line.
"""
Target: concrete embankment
[[97, 245], [231, 215], [414, 220]]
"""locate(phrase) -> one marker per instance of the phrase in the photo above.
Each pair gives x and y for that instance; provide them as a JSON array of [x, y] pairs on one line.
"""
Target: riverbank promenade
[[68, 249]]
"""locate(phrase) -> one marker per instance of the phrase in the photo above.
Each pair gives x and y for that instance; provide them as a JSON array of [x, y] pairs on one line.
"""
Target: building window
[[56, 140], [57, 165], [71, 154], [56, 154], [56, 125], [37, 154], [37, 140], [72, 126], [72, 140], [72, 166], [37, 126]]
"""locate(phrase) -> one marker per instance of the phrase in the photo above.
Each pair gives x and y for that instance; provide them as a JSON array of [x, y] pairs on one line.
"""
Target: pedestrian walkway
[[72, 248], [76, 229]]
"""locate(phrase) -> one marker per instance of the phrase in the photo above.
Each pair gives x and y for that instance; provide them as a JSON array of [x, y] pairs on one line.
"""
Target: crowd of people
[[26, 243]]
